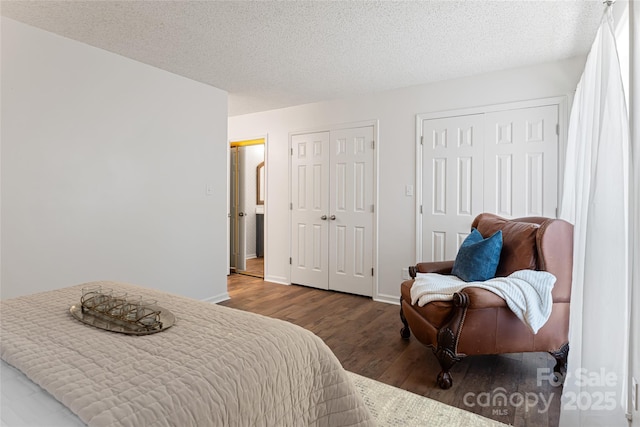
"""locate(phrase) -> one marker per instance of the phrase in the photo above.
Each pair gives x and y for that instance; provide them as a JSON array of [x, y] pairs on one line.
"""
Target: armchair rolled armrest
[[440, 267]]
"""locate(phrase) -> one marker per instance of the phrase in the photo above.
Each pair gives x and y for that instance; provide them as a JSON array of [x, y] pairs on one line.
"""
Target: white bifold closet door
[[521, 162], [310, 209], [452, 178], [503, 162], [332, 193]]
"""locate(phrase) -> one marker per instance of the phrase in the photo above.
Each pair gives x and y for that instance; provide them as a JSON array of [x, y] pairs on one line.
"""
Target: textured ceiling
[[272, 54]]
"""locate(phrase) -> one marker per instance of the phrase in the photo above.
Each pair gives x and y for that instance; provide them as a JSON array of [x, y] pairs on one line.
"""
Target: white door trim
[[376, 165], [266, 200], [563, 114]]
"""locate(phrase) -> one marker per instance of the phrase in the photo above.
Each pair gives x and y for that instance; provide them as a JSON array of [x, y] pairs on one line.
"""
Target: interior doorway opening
[[247, 201]]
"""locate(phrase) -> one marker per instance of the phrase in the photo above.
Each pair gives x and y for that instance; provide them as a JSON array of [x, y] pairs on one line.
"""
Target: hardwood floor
[[365, 336], [255, 266]]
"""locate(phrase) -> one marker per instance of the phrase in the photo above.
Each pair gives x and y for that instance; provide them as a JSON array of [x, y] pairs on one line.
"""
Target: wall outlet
[[634, 393], [405, 274]]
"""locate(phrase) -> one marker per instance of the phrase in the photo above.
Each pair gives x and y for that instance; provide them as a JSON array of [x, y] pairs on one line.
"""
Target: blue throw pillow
[[478, 258]]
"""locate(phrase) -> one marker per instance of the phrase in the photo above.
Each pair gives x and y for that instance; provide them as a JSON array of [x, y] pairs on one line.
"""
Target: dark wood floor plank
[[365, 336]]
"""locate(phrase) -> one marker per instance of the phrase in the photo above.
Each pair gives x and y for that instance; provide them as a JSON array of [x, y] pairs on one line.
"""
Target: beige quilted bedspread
[[215, 367]]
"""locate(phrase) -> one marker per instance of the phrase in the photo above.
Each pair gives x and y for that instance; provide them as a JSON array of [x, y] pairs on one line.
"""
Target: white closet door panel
[[452, 190], [521, 162], [310, 202], [351, 211]]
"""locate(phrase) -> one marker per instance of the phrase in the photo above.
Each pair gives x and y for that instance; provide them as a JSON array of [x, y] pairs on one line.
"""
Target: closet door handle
[[332, 217], [323, 217]]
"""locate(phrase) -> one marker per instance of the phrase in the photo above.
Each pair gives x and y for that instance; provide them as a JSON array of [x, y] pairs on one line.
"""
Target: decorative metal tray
[[167, 319], [118, 312]]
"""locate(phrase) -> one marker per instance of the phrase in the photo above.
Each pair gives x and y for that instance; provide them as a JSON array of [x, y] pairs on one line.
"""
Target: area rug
[[391, 406]]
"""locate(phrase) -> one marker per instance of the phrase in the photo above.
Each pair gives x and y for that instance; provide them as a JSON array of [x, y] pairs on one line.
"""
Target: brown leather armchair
[[478, 321]]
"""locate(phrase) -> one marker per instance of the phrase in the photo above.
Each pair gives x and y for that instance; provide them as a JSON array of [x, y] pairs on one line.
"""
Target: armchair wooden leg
[[447, 359], [561, 355], [448, 335], [405, 332]]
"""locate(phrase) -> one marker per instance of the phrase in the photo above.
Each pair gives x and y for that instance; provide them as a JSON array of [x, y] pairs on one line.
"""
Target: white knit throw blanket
[[526, 292]]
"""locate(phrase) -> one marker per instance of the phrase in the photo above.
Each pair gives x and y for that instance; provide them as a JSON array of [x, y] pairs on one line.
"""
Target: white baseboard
[[277, 279], [217, 298], [389, 299]]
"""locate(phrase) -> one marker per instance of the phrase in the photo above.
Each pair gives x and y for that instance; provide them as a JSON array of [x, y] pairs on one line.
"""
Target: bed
[[214, 366]]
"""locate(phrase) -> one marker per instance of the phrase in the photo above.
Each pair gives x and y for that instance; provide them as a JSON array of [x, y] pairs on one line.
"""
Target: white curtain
[[596, 201], [634, 114]]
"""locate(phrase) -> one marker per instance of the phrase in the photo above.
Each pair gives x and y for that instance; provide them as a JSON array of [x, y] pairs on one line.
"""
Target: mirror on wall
[[260, 185], [247, 193]]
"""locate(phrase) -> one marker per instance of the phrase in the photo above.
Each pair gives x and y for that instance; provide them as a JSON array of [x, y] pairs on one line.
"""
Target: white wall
[[634, 120], [396, 112], [104, 167]]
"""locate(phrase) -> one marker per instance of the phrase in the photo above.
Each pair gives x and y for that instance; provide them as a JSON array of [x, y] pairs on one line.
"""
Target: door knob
[[241, 214], [323, 217], [332, 217]]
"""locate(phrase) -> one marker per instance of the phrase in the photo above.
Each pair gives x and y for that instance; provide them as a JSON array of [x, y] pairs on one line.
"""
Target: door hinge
[[372, 271], [291, 206], [420, 209], [558, 129], [373, 145], [290, 261], [373, 209], [421, 140], [292, 151]]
